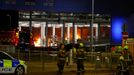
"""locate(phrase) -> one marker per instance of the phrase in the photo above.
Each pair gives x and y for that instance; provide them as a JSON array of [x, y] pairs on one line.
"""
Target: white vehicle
[[10, 65]]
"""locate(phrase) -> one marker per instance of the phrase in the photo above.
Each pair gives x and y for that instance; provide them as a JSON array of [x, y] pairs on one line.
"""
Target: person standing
[[80, 56], [122, 66], [61, 58]]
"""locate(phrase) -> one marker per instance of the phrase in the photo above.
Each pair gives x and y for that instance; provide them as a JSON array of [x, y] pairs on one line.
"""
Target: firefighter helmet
[[125, 47], [81, 45]]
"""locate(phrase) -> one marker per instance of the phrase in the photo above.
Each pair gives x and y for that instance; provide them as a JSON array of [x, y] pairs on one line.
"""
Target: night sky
[[122, 7]]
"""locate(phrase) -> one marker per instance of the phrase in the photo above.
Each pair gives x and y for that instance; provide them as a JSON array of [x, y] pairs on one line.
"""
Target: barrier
[[130, 43], [7, 48]]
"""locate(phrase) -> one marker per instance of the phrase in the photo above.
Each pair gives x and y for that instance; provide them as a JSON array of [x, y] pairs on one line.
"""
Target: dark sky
[[101, 6], [130, 23]]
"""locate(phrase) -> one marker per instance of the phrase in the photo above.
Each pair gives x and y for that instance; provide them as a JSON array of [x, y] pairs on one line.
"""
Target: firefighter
[[80, 56], [122, 66], [127, 56], [74, 54], [61, 58]]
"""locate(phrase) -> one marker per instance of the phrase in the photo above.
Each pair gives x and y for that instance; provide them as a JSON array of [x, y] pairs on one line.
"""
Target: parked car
[[10, 65]]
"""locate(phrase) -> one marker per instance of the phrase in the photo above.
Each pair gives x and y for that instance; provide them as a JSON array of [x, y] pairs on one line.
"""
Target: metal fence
[[106, 59]]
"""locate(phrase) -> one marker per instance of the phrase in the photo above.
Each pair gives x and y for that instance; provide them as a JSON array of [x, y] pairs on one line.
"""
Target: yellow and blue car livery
[[7, 66]]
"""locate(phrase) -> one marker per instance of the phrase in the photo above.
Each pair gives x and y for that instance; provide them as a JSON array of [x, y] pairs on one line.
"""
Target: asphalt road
[[50, 68], [41, 73]]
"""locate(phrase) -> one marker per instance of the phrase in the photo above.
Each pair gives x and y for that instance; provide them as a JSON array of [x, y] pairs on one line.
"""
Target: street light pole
[[92, 22]]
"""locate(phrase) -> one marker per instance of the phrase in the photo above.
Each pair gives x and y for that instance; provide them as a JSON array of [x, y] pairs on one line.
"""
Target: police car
[[10, 65]]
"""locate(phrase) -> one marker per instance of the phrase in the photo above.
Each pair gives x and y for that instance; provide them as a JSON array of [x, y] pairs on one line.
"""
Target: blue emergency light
[[116, 30]]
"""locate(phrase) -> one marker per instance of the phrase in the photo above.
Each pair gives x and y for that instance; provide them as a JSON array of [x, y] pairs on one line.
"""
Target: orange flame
[[37, 42]]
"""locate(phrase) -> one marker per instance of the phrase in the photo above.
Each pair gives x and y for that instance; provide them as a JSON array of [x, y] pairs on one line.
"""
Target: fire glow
[[37, 42]]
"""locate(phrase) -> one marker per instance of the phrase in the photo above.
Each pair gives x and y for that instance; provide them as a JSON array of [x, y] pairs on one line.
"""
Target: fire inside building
[[51, 29], [43, 29]]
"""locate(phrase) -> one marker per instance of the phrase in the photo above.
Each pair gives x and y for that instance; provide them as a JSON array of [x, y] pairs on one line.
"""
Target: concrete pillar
[[68, 33], [53, 34], [43, 34], [53, 30], [96, 26], [19, 27], [75, 32]]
